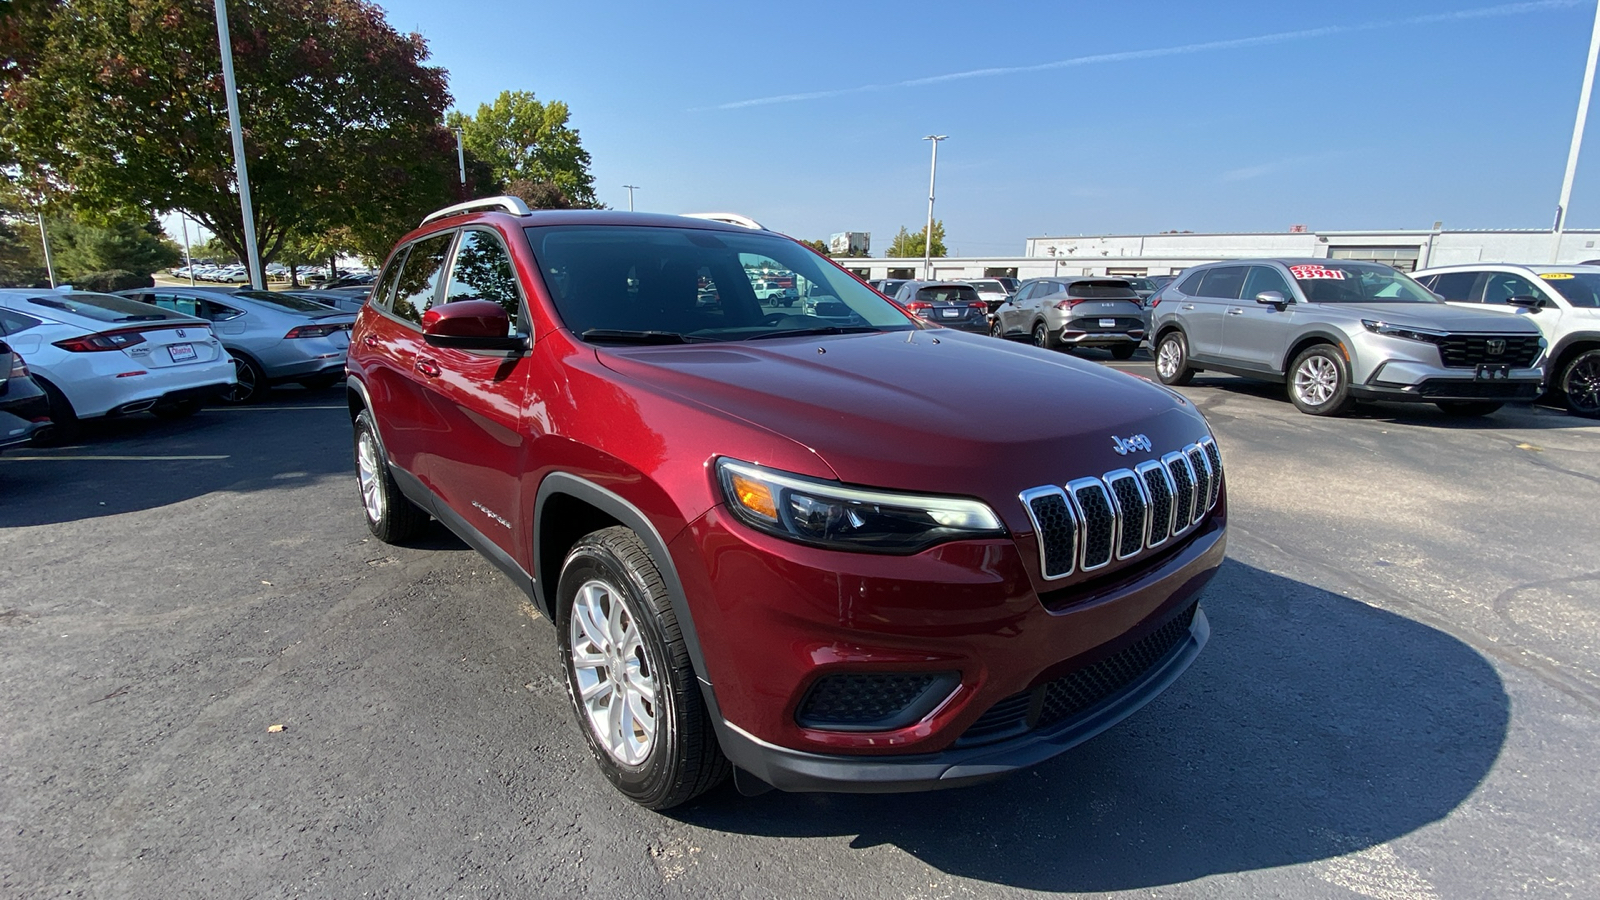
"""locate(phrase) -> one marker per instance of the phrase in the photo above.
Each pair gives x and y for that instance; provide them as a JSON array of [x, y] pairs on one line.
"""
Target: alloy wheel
[[1168, 358], [1316, 380], [244, 377], [616, 680], [1583, 386], [370, 475]]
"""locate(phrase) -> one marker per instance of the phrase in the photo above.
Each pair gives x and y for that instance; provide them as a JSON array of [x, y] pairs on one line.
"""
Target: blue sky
[[1082, 118]]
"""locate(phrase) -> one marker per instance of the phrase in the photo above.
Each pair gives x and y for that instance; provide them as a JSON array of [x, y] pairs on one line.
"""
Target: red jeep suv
[[824, 553]]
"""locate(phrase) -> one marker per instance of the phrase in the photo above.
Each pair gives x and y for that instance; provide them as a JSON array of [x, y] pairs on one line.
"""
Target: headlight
[[828, 514], [1410, 334]]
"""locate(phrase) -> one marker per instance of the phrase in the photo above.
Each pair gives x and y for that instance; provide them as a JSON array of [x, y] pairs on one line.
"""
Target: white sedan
[[102, 355]]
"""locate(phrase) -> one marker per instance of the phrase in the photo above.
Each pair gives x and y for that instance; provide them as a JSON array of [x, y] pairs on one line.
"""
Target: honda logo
[[1136, 442], [1495, 347]]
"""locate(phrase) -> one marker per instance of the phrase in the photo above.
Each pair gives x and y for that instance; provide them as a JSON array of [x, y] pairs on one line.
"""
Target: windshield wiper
[[626, 336], [823, 329]]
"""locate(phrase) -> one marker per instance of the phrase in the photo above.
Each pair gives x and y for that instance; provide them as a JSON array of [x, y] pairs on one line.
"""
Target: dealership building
[[1165, 254]]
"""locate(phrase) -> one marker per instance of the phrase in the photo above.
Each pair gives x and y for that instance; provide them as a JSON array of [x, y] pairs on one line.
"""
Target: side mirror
[[1532, 304], [470, 325], [1274, 299]]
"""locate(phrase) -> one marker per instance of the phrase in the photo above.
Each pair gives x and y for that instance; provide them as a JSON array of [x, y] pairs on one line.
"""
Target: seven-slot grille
[[1463, 351], [1087, 523]]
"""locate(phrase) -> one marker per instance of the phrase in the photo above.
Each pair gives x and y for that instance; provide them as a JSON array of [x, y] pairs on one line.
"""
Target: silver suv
[[1562, 301], [1074, 312], [1338, 331]]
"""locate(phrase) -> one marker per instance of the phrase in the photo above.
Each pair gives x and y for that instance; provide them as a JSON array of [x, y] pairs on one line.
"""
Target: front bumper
[[1101, 338], [1406, 381]]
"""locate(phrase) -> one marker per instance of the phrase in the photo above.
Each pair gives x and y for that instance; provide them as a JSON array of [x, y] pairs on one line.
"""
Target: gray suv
[[1074, 312], [1339, 331]]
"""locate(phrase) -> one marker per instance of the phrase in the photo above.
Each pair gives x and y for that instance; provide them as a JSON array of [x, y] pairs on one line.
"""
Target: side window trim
[[524, 313], [439, 284]]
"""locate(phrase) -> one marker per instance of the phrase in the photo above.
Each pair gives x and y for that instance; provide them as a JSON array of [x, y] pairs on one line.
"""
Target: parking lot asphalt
[[1401, 697]]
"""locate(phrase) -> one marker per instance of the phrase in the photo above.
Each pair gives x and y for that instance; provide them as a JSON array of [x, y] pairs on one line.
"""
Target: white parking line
[[8, 457]]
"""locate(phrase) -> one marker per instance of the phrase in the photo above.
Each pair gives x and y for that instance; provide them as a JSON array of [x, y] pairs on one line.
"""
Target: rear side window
[[948, 293], [483, 271], [1223, 282], [1454, 285], [1191, 285], [13, 322], [1101, 290], [287, 302], [419, 277]]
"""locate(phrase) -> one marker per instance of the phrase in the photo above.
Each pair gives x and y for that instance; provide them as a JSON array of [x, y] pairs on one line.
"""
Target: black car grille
[[853, 701], [1465, 351], [1089, 522], [1478, 390], [1057, 701]]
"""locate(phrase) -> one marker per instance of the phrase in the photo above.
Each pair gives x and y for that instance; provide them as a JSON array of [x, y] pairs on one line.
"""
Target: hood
[[1438, 316], [934, 411]]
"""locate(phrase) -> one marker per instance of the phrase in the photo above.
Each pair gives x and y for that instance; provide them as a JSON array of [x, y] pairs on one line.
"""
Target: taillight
[[1155, 301], [1069, 303], [978, 304], [99, 343], [919, 307], [19, 369], [313, 331]]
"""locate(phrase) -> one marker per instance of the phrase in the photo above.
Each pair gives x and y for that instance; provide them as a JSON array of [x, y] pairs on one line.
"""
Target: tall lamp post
[[927, 237], [631, 188], [1577, 139], [241, 171], [461, 155], [44, 242]]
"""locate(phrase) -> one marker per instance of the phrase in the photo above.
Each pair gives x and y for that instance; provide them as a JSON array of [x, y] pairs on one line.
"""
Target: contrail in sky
[[1507, 9]]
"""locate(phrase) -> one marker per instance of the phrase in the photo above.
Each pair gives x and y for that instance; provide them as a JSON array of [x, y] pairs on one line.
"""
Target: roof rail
[[730, 219], [513, 205]]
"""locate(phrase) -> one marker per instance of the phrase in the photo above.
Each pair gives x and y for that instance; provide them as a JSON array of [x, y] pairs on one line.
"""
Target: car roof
[[1527, 267]]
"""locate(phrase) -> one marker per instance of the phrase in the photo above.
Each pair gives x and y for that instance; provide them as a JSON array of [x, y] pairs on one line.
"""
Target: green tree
[[523, 139], [819, 246], [129, 242], [21, 263], [909, 244], [120, 103]]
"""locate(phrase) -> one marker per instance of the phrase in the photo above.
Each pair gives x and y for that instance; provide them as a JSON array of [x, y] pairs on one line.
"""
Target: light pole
[[44, 241], [252, 257], [631, 188], [188, 261], [1577, 139], [461, 157], [927, 237]]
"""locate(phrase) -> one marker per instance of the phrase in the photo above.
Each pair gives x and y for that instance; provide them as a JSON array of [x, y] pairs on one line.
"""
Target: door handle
[[1188, 306], [1235, 311], [370, 341], [428, 367]]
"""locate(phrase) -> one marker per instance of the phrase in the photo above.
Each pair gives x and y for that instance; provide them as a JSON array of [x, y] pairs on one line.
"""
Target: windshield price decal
[[1557, 276], [1308, 273]]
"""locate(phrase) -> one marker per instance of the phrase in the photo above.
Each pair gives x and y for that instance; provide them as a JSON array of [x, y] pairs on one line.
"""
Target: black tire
[[1172, 359], [1124, 351], [995, 330], [1467, 408], [63, 419], [1581, 384], [682, 758], [1042, 337], [390, 516], [1319, 382], [250, 383], [177, 409]]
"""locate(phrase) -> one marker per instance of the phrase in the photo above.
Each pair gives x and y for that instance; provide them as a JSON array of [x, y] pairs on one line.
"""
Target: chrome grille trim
[[1097, 523], [1043, 495], [1088, 523], [1127, 490], [1159, 524]]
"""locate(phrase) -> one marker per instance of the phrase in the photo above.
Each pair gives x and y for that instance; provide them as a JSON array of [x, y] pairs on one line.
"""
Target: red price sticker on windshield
[[1309, 273]]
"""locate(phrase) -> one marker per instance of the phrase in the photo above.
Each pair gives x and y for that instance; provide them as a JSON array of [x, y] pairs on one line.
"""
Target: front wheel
[[390, 516], [629, 674], [1041, 337], [1172, 360], [1468, 408], [1319, 382], [1581, 382]]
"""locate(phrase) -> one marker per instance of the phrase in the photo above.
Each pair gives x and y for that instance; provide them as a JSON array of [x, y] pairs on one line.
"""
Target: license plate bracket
[[1108, 323], [1490, 372], [181, 352], [950, 313]]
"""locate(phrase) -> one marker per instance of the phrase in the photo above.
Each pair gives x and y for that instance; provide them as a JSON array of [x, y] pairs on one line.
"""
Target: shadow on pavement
[[1541, 415], [292, 438], [1312, 726]]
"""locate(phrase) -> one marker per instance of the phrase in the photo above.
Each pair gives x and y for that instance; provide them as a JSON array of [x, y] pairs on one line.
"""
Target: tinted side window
[[1502, 286], [1265, 278], [483, 271], [384, 291], [1191, 285], [1223, 282], [419, 277], [1026, 293], [13, 322], [1454, 285]]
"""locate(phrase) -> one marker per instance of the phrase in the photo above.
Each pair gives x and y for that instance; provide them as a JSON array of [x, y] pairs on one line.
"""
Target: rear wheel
[[629, 674], [1581, 382], [63, 419], [1123, 351], [1172, 359], [1466, 408], [994, 328], [1319, 382], [390, 516], [1042, 338], [250, 383]]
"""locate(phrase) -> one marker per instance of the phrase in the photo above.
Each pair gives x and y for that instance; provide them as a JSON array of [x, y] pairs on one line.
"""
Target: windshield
[[1101, 290], [993, 287], [947, 293], [1579, 288], [620, 283], [1353, 282], [285, 301], [105, 307], [1141, 284]]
